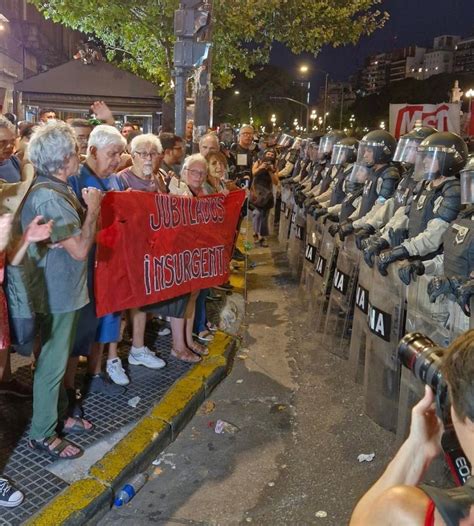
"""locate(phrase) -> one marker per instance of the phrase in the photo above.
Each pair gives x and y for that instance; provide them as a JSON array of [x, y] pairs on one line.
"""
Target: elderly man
[[208, 143], [243, 155], [56, 302], [9, 163]]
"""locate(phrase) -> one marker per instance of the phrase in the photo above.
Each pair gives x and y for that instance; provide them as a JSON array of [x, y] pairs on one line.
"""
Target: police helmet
[[408, 144], [442, 153], [381, 143], [345, 151]]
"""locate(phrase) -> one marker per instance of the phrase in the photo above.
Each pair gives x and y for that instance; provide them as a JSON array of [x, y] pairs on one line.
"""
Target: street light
[[352, 120], [273, 120], [236, 92], [382, 125]]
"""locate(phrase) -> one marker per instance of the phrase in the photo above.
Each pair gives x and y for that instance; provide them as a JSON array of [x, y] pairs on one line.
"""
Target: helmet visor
[[367, 153], [340, 154], [285, 140], [467, 187], [326, 144], [406, 151], [430, 164], [359, 174]]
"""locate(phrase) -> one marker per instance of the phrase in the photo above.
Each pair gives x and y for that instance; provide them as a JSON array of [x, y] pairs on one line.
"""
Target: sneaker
[[9, 496], [164, 331], [101, 385], [204, 336], [143, 356], [116, 373], [16, 388]]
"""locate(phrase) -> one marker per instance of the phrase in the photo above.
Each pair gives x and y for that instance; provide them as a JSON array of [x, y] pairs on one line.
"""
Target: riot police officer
[[440, 158], [405, 154], [458, 256], [375, 151], [344, 154]]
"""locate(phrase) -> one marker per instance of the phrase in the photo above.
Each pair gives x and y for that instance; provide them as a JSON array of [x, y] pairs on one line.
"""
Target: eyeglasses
[[196, 172], [145, 155]]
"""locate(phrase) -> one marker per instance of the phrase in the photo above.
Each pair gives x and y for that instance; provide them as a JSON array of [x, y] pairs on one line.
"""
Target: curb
[[89, 499]]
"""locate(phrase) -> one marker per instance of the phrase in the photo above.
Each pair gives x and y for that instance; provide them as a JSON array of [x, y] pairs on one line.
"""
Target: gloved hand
[[387, 257], [374, 245], [408, 272], [310, 202], [398, 236], [333, 217], [345, 230], [441, 285], [363, 233], [333, 229], [319, 212], [463, 296]]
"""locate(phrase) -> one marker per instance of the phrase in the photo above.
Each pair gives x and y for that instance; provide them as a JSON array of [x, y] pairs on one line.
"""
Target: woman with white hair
[[144, 174], [193, 177]]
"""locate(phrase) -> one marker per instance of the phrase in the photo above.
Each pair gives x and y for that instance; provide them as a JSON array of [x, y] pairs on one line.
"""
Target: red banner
[[153, 247]]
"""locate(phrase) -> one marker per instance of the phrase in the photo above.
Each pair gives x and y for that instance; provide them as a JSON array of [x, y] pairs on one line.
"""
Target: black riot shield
[[358, 343], [338, 323], [296, 241], [286, 209], [386, 326], [428, 318], [324, 269]]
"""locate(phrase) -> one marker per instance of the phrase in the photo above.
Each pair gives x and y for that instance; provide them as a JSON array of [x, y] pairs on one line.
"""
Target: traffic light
[[191, 22]]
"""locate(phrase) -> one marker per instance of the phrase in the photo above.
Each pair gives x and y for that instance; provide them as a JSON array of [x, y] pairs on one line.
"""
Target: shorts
[[108, 329]]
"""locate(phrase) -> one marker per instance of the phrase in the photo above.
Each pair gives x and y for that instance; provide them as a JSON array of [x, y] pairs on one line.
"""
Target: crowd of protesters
[[53, 176]]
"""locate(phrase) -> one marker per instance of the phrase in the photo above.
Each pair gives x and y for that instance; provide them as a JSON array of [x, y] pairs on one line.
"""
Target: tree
[[254, 98], [138, 34]]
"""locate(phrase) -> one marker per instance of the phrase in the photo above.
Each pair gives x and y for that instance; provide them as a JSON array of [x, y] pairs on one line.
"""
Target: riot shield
[[286, 209], [309, 260], [338, 323], [428, 318], [324, 269], [386, 326], [358, 343], [296, 240]]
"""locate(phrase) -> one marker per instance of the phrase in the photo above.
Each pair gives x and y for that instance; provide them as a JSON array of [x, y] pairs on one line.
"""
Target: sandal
[[77, 428], [199, 349], [185, 356], [44, 445], [205, 336]]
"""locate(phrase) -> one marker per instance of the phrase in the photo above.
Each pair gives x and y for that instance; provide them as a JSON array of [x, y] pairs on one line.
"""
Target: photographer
[[396, 497], [261, 194]]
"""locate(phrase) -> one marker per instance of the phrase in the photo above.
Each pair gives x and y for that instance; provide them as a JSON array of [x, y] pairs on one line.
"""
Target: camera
[[423, 358]]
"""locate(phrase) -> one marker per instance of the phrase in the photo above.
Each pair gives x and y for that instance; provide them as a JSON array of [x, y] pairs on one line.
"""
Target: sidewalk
[[124, 440]]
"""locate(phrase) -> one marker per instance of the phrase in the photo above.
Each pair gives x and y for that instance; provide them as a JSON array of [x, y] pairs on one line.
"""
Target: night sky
[[411, 22]]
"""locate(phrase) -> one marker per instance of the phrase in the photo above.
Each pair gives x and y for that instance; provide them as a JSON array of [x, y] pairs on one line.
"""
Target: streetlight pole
[[296, 102], [342, 106], [325, 101]]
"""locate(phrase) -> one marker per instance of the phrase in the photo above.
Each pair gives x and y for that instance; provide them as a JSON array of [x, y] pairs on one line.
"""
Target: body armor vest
[[338, 193], [404, 190], [458, 242], [347, 205], [422, 209]]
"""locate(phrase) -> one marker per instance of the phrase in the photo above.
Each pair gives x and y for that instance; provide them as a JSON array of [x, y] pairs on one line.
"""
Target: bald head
[[208, 143]]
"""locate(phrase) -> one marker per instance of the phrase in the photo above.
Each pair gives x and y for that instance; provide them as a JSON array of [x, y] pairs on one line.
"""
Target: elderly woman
[[193, 176], [144, 174], [56, 274]]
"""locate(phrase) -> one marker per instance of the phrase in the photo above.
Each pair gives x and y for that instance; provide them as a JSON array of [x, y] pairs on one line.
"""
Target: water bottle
[[130, 489]]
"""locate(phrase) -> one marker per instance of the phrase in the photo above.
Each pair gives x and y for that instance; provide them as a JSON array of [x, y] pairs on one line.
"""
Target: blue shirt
[[87, 178], [10, 170]]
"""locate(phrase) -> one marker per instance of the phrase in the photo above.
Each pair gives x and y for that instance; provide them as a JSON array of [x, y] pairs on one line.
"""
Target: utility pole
[[325, 102], [191, 21], [342, 106]]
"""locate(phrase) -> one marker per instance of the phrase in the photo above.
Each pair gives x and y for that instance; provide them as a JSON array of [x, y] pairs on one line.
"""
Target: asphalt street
[[297, 428]]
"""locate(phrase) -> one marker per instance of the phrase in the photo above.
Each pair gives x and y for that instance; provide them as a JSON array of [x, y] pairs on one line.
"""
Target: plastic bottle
[[130, 489]]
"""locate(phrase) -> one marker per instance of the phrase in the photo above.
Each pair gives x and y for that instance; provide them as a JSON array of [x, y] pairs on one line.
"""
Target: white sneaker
[[143, 356], [116, 372], [164, 331], [9, 496]]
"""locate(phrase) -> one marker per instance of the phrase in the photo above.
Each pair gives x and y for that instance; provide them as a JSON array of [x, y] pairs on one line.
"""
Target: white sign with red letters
[[443, 117]]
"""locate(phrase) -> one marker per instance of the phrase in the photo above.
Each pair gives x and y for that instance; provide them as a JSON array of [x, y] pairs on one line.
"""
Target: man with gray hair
[[208, 143], [243, 155], [9, 164], [55, 275]]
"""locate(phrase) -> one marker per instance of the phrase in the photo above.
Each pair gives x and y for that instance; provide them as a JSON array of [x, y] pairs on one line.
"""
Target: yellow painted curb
[[125, 452], [78, 495]]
